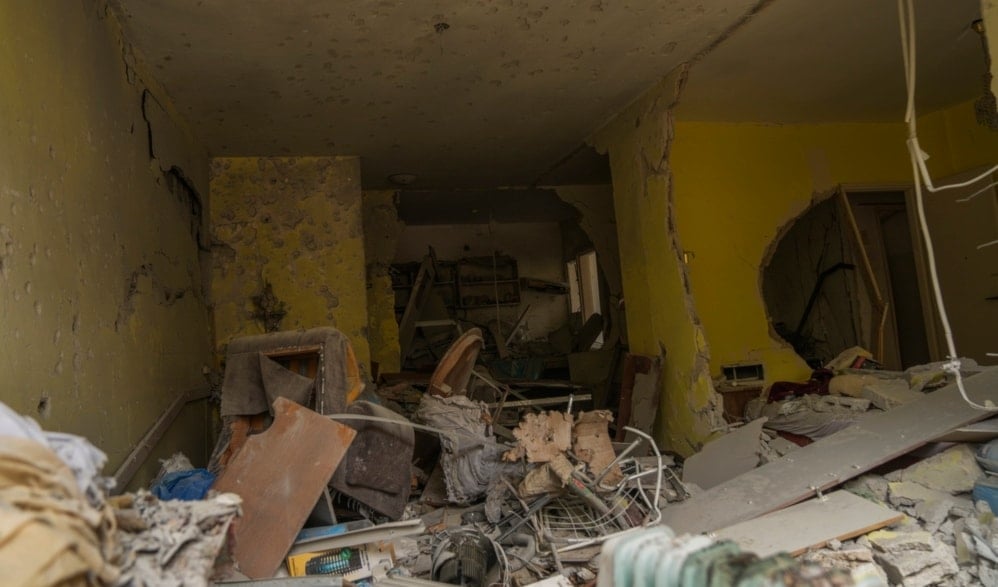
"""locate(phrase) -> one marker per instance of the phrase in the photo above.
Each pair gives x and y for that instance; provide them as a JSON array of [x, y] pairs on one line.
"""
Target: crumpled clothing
[[184, 485], [470, 456], [85, 460], [49, 533], [817, 384]]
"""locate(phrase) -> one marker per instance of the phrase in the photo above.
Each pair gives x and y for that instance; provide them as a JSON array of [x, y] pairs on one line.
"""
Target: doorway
[[884, 226]]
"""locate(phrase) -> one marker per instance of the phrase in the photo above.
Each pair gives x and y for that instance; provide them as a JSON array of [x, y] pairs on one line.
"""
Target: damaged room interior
[[499, 293]]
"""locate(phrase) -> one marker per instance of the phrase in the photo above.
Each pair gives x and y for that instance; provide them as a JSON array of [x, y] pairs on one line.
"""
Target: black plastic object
[[376, 470]]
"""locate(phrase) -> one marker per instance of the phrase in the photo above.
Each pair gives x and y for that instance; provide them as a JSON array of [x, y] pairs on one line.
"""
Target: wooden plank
[[420, 294], [834, 459], [454, 370], [979, 432], [811, 524], [726, 457], [280, 475]]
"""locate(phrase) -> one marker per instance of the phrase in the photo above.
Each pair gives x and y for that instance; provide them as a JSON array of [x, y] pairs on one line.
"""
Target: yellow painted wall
[[989, 12], [661, 314], [102, 309], [297, 223], [728, 189], [737, 185], [382, 228]]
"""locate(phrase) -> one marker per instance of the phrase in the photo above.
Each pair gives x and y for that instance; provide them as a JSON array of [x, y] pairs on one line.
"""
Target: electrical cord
[[906, 16]]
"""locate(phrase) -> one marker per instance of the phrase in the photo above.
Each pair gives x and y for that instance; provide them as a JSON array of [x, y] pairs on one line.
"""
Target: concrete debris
[[858, 561], [932, 375], [913, 558], [873, 487], [953, 471], [813, 416], [887, 394]]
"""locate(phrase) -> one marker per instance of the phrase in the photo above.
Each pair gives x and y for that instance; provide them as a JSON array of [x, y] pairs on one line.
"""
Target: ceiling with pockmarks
[[461, 93], [824, 61], [487, 93]]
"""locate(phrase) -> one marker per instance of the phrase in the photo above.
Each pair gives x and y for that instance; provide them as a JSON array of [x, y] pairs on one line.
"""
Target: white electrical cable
[[978, 192], [906, 16]]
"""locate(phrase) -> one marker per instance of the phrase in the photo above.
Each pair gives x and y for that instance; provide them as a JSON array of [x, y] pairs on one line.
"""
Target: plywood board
[[280, 475], [726, 457], [979, 432], [811, 524], [639, 396], [834, 459]]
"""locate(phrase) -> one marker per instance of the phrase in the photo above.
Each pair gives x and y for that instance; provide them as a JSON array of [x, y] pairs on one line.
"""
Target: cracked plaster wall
[[382, 229], [295, 222], [698, 205], [661, 315], [104, 314]]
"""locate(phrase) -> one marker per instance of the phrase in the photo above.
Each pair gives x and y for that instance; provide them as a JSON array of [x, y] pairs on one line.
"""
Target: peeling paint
[[661, 314], [381, 232], [295, 222]]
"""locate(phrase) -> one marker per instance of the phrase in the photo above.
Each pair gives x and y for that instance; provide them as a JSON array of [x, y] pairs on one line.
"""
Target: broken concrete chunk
[[887, 394], [987, 574], [933, 512], [913, 558], [892, 541], [954, 471], [869, 486], [858, 561], [909, 494]]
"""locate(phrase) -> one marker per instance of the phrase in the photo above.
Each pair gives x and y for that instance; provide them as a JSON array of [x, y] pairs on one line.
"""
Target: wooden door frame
[[929, 314]]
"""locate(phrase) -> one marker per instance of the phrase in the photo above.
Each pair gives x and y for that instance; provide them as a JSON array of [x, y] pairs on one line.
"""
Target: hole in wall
[[44, 407], [843, 274], [809, 285]]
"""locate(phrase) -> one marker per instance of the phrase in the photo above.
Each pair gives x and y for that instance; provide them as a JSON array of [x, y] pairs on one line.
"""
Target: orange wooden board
[[280, 474]]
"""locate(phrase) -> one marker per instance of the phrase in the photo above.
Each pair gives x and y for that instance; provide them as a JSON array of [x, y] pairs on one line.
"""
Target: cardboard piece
[[834, 459], [541, 437], [280, 475], [591, 443], [811, 524], [726, 457]]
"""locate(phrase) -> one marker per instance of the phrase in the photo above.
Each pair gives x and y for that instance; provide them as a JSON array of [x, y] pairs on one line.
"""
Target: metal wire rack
[[570, 521]]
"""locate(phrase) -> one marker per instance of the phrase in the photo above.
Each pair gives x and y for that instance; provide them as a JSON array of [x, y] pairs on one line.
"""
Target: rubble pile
[[421, 483]]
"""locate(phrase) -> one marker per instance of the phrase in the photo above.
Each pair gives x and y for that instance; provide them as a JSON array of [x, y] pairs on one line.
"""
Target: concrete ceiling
[[487, 93], [836, 60], [497, 95]]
